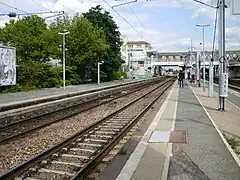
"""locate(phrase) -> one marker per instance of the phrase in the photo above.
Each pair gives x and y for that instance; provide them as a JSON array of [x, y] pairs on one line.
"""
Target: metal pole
[[203, 63], [129, 64], [221, 50], [63, 46], [198, 70], [191, 59], [210, 82], [204, 72], [64, 75], [98, 73]]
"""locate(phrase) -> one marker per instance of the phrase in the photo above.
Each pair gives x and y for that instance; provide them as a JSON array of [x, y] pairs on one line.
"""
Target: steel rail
[[17, 171], [61, 96], [21, 134], [95, 161]]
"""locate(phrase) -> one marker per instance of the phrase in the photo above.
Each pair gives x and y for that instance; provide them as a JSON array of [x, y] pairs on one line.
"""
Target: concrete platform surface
[[9, 99], [200, 153]]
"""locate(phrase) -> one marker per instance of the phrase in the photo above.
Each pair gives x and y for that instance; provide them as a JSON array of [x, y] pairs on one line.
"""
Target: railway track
[[20, 128], [76, 156]]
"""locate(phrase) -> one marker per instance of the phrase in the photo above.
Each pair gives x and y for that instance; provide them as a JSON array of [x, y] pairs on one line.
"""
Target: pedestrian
[[189, 76], [193, 78], [181, 77]]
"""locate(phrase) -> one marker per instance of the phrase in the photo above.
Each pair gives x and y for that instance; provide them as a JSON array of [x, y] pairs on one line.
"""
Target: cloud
[[164, 40], [233, 38]]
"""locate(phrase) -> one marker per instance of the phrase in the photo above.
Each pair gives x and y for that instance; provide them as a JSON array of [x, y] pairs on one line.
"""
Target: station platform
[[184, 141], [13, 100]]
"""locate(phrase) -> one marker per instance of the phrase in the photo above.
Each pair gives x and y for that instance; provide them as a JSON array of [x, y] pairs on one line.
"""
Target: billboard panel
[[7, 66], [236, 7]]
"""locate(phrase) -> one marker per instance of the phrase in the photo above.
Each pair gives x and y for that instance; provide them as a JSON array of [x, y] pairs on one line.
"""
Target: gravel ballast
[[19, 150]]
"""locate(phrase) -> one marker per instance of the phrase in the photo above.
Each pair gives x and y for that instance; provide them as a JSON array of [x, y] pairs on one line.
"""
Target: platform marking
[[236, 93], [133, 161], [169, 148], [159, 136], [234, 155], [232, 104]]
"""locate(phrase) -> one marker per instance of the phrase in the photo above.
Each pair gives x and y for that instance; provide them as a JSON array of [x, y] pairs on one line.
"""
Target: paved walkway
[[227, 121], [11, 98], [233, 96], [183, 143]]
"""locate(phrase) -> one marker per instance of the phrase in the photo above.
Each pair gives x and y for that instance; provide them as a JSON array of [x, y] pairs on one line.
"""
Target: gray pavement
[[9, 98], [231, 96], [204, 156]]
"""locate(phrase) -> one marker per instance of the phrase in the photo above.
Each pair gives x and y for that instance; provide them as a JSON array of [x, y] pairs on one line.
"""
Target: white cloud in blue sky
[[168, 24]]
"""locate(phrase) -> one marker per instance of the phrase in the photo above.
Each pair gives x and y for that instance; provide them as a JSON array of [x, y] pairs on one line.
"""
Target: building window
[[139, 46], [141, 63], [130, 46]]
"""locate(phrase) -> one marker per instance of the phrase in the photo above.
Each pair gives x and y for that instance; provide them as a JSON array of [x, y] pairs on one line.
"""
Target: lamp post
[[99, 76], [199, 68], [223, 76], [191, 57], [64, 34], [203, 26]]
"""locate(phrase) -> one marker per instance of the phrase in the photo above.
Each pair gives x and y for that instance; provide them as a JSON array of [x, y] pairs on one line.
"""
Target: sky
[[168, 25]]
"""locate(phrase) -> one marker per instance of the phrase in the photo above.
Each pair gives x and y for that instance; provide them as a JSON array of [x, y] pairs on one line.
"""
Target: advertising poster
[[7, 66]]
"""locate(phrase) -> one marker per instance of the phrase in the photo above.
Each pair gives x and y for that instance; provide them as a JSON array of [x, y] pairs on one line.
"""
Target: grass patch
[[234, 144]]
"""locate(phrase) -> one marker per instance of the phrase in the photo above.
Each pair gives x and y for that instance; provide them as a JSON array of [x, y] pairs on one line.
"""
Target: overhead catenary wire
[[41, 5], [68, 8], [199, 16], [140, 22], [215, 28], [50, 9], [13, 7], [124, 20], [27, 13]]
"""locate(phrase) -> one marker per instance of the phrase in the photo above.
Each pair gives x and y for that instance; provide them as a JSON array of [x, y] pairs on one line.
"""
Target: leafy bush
[[117, 75]]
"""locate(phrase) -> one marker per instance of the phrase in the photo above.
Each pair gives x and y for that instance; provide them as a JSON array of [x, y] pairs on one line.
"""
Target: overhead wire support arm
[[13, 14], [47, 12], [205, 4], [124, 3], [56, 15]]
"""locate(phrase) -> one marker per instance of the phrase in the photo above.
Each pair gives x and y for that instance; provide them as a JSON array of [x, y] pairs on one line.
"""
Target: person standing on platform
[[181, 77], [189, 76]]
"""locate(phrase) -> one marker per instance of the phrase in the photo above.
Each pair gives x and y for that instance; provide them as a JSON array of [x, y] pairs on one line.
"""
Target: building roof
[[137, 42], [171, 53]]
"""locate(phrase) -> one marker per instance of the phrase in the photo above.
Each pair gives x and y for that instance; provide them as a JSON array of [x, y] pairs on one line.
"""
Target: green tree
[[60, 24], [85, 44], [112, 56], [31, 38]]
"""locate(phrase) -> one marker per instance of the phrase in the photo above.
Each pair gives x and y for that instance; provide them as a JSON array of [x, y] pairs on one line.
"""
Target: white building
[[134, 53]]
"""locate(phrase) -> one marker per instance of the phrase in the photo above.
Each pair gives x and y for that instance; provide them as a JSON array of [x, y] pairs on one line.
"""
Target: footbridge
[[160, 60]]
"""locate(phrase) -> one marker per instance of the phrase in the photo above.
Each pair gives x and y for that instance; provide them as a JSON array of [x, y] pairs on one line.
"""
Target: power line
[[140, 21], [199, 15], [68, 8], [41, 5], [13, 7], [50, 9], [215, 28], [124, 19]]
